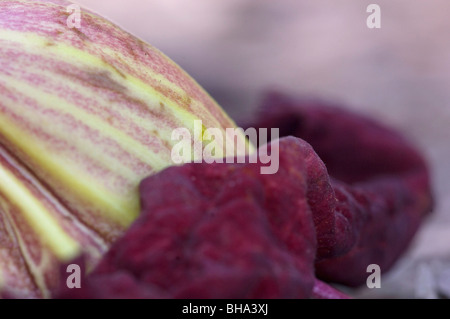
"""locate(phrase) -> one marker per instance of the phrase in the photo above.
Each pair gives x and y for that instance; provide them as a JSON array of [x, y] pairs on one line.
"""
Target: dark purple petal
[[380, 185]]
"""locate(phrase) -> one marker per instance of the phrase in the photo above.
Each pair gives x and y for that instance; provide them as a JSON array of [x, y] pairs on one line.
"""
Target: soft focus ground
[[399, 74]]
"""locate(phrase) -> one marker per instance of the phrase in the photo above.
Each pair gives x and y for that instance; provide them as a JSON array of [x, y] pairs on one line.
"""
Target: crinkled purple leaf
[[216, 231]]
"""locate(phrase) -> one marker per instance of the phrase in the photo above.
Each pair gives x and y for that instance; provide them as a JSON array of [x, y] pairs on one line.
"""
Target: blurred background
[[398, 74]]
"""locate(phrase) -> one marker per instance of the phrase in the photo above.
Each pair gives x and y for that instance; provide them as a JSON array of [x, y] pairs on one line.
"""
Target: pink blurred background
[[399, 74]]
